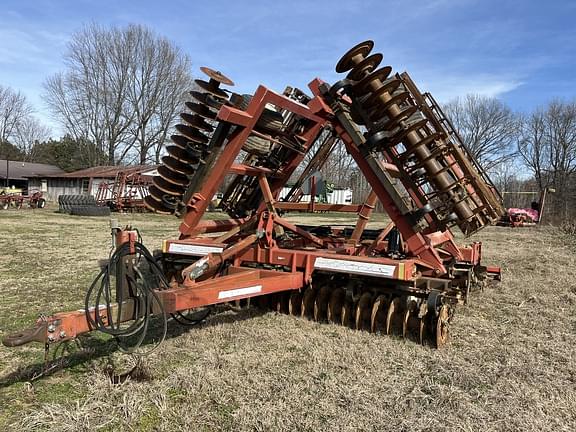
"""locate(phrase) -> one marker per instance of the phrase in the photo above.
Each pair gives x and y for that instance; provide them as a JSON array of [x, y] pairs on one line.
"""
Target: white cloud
[[18, 47], [447, 87]]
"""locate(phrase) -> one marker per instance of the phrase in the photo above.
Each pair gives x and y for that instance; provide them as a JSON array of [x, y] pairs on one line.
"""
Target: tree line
[[117, 99]]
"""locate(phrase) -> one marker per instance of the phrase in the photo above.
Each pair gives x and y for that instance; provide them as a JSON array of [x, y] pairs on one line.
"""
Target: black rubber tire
[[41, 203], [256, 145], [89, 200], [270, 120], [90, 211], [64, 203]]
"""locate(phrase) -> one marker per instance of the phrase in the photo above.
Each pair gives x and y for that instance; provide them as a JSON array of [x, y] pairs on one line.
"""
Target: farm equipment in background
[[403, 278], [10, 198], [125, 193], [527, 216], [315, 190]]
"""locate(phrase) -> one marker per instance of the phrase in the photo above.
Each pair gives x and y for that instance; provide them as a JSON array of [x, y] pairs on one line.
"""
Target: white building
[[337, 196]]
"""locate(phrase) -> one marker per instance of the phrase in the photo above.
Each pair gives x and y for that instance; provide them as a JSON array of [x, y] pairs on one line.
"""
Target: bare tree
[[121, 89], [488, 128], [30, 132], [532, 146], [339, 166], [548, 148], [160, 78], [14, 109]]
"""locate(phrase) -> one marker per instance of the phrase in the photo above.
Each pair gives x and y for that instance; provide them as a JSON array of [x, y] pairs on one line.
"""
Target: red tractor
[[16, 200]]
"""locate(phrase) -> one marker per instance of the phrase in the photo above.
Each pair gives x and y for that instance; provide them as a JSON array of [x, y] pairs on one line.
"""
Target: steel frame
[[256, 264]]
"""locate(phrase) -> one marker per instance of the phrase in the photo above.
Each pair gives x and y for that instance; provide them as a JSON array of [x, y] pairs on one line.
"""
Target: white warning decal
[[198, 250], [239, 292], [354, 267]]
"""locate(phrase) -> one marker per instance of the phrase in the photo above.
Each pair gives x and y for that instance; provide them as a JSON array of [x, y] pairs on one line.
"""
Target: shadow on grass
[[92, 347]]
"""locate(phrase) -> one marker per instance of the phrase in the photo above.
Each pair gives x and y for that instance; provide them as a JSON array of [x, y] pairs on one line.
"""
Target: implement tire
[[269, 119], [256, 145], [89, 211]]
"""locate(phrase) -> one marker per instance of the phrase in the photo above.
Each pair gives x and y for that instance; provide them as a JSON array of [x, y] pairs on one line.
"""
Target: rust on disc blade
[[409, 152], [365, 67], [404, 114], [348, 313], [422, 332], [335, 306], [283, 305], [378, 314], [188, 155], [209, 88], [167, 201], [410, 316], [308, 303], [321, 304], [206, 99], [197, 121], [392, 316], [380, 109], [176, 165], [167, 187], [403, 132], [295, 305], [155, 193], [395, 99], [156, 206], [181, 141], [392, 123], [192, 133], [363, 311], [202, 110], [374, 100], [362, 49], [363, 86], [194, 152], [217, 76], [172, 176], [442, 330]]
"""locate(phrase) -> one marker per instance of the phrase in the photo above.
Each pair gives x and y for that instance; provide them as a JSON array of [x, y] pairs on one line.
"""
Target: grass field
[[511, 364]]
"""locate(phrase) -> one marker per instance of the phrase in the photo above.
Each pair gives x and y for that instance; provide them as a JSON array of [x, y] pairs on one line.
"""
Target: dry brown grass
[[510, 365]]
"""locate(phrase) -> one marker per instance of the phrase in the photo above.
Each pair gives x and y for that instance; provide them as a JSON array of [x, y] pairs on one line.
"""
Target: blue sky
[[523, 52]]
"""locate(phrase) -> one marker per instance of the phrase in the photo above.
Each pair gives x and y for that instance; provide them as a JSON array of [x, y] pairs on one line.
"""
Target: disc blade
[[196, 121], [217, 76], [192, 133], [167, 187], [362, 50], [201, 110], [172, 176], [176, 165]]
